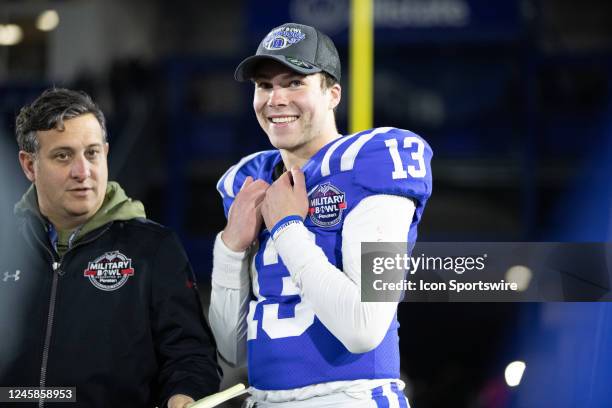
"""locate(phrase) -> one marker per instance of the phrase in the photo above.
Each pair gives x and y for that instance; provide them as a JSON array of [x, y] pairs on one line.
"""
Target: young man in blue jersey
[[286, 275]]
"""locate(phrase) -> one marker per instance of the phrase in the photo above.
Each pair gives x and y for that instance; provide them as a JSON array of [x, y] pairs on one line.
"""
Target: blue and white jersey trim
[[325, 171], [226, 183], [389, 396], [348, 157]]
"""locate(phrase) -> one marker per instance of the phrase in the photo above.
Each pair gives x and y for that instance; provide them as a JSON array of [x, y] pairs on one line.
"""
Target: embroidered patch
[[299, 63], [109, 271], [283, 38], [327, 203]]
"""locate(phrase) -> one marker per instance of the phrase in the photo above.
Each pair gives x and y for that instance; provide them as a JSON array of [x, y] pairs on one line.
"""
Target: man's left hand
[[179, 401], [283, 199]]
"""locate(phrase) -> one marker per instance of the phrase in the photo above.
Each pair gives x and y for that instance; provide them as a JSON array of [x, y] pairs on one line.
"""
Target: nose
[[80, 169], [278, 97]]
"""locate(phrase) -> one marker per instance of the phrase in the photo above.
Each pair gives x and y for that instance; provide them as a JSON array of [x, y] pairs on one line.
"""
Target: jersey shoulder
[[384, 160], [255, 165]]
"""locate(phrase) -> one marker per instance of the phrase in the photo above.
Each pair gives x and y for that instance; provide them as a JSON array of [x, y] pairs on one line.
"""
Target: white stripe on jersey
[[391, 396], [348, 157], [325, 162], [228, 183]]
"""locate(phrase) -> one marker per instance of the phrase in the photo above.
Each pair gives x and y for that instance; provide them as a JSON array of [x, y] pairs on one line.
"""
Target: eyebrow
[[58, 148]]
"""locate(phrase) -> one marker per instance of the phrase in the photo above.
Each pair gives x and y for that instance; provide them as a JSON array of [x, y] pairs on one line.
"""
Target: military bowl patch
[[109, 271], [283, 38], [326, 204]]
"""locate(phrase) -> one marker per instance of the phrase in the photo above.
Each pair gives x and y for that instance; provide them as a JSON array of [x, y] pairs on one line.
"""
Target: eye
[[92, 153], [296, 83], [62, 156], [263, 85]]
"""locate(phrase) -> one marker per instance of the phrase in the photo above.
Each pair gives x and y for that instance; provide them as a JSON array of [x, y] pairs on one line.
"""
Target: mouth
[[283, 120], [80, 190]]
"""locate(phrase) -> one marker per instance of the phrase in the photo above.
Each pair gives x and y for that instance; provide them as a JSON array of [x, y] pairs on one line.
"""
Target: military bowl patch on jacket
[[109, 271]]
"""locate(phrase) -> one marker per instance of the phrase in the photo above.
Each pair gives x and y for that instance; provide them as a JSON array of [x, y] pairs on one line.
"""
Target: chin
[[283, 142], [278, 144], [79, 214], [80, 211]]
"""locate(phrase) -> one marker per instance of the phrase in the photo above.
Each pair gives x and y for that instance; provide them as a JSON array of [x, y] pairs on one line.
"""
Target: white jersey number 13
[[274, 326], [418, 171]]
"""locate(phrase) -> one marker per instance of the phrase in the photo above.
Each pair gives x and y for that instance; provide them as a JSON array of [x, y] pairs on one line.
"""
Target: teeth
[[284, 119]]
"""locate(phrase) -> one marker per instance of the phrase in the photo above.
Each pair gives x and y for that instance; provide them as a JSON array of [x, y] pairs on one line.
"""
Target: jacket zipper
[[45, 358], [57, 271], [43, 367]]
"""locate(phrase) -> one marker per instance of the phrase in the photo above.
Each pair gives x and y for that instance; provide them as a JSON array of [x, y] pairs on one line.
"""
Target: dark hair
[[49, 111], [327, 81]]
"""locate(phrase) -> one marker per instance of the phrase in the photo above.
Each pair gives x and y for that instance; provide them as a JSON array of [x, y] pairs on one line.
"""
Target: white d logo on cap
[[283, 38]]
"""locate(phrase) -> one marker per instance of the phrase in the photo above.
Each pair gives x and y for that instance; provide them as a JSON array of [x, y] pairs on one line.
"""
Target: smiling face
[[296, 111], [69, 171]]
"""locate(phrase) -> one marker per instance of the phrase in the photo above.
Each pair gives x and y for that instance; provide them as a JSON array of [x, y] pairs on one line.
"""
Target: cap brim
[[246, 69]]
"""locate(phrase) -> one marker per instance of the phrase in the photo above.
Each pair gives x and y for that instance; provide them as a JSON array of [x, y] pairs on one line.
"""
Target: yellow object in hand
[[218, 398]]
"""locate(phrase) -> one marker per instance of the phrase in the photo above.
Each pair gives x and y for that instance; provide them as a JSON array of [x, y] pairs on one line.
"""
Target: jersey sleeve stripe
[[222, 179], [325, 170], [228, 183], [401, 398], [348, 157], [378, 397]]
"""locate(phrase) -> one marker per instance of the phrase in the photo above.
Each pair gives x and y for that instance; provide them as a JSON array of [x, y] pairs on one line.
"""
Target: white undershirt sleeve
[[335, 295], [229, 302]]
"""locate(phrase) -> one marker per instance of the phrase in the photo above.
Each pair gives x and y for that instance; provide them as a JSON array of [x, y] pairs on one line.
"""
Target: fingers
[[260, 184], [255, 191], [259, 214], [259, 191], [259, 209], [252, 190], [259, 198], [284, 180], [246, 183], [250, 184]]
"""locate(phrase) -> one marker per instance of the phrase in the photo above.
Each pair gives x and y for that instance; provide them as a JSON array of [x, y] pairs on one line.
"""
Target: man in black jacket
[[92, 294]]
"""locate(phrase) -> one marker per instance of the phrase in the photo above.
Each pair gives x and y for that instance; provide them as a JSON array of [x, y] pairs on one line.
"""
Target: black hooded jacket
[[118, 316]]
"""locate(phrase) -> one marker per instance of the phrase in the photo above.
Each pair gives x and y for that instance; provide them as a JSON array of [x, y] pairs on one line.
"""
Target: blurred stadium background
[[514, 96]]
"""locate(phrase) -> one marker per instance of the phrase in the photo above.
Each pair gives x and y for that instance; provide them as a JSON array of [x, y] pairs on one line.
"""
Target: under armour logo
[[8, 275]]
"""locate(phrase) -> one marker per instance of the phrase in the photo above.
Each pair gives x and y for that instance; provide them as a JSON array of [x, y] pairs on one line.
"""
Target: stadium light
[[514, 373], [521, 275], [47, 20], [10, 34]]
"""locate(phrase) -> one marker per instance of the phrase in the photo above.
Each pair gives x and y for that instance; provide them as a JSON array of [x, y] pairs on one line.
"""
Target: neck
[[293, 159], [299, 156], [66, 225]]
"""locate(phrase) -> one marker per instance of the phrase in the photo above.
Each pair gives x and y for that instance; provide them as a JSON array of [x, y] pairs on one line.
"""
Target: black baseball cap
[[302, 48]]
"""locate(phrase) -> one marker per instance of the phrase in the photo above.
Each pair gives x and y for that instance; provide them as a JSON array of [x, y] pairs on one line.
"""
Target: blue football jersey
[[288, 347]]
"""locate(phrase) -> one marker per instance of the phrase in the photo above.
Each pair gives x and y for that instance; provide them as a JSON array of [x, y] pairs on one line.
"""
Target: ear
[[106, 147], [336, 95], [27, 162]]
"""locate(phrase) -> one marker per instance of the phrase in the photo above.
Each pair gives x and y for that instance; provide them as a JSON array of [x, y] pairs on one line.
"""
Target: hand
[[244, 219], [179, 401], [283, 199]]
